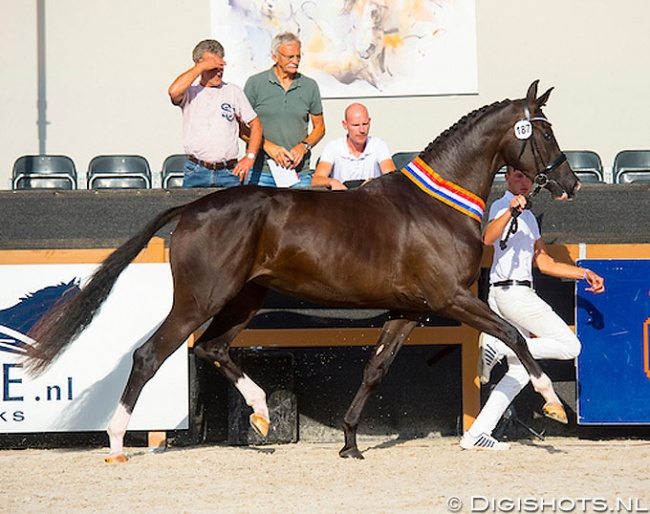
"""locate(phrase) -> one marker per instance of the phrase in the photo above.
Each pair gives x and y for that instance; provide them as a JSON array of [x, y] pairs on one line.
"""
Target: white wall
[[109, 64]]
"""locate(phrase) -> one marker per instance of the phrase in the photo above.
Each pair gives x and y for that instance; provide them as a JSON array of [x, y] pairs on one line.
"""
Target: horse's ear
[[531, 96], [541, 101]]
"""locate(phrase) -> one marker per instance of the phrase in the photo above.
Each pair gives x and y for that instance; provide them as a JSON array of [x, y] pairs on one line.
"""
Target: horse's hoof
[[260, 424], [116, 459], [351, 453], [555, 411]]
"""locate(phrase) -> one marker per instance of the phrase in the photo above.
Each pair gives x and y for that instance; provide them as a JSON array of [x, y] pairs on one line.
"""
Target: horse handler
[[513, 298]]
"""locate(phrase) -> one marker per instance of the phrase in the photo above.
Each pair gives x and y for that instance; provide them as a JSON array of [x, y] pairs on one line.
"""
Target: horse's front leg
[[469, 309], [393, 335]]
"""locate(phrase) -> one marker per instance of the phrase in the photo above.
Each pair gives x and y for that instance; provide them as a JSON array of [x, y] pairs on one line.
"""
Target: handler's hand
[[518, 203], [595, 281]]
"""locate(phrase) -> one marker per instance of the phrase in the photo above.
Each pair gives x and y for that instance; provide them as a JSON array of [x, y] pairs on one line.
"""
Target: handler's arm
[[495, 227], [549, 266]]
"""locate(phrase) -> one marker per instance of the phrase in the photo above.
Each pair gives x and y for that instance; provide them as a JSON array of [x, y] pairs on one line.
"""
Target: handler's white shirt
[[516, 261], [210, 121], [346, 166]]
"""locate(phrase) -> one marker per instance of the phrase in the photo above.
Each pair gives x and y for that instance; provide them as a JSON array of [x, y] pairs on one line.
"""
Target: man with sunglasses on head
[[513, 298], [286, 102], [213, 111]]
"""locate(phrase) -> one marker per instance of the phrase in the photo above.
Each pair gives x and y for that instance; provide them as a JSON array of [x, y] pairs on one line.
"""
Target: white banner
[[81, 390]]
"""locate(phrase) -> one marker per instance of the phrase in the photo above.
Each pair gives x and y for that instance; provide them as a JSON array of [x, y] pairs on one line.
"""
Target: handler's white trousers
[[522, 307]]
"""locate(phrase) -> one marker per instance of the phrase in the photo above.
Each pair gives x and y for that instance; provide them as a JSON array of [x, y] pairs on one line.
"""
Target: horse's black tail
[[62, 324]]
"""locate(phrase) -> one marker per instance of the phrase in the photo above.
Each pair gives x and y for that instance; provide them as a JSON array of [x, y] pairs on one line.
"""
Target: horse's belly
[[350, 294]]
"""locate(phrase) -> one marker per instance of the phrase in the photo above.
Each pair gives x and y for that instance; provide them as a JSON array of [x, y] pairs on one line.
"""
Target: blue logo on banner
[[17, 321]]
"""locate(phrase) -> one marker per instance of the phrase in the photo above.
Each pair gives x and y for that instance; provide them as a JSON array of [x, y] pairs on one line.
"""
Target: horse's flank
[[295, 238]]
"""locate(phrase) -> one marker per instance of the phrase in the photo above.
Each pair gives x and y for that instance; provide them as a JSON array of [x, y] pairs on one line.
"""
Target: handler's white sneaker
[[482, 442], [487, 358]]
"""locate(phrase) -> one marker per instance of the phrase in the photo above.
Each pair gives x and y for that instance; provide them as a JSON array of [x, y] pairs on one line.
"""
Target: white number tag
[[523, 129]]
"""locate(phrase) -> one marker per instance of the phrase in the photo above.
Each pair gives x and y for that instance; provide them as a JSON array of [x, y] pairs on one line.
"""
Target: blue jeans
[[198, 176], [264, 178]]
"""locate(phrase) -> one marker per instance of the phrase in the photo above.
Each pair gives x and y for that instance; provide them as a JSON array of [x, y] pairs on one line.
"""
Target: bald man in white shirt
[[357, 156]]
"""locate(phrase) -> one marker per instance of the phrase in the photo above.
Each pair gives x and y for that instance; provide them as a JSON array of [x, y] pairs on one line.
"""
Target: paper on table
[[284, 177]]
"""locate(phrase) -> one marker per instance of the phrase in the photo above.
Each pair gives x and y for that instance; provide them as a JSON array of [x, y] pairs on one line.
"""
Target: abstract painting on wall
[[357, 48]]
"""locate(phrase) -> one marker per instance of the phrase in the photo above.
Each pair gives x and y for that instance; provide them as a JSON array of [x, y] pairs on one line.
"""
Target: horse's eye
[[547, 136]]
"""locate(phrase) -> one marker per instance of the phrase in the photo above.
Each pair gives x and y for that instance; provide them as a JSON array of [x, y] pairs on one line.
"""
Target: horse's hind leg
[[391, 339], [214, 343], [469, 309], [147, 359]]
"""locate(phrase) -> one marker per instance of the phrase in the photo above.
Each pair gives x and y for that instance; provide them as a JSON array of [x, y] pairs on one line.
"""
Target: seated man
[[355, 157]]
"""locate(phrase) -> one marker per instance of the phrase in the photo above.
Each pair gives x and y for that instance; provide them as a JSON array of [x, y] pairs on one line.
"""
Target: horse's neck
[[472, 157], [471, 168], [471, 173]]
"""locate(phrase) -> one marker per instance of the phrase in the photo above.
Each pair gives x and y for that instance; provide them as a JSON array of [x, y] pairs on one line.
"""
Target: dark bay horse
[[409, 242]]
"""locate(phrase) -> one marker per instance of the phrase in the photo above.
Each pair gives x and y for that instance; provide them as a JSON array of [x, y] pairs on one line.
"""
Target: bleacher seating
[[586, 164], [119, 172], [44, 172], [172, 171], [401, 159], [632, 166]]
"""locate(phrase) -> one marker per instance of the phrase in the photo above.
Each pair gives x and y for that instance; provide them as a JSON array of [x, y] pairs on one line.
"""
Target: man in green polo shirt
[[285, 102]]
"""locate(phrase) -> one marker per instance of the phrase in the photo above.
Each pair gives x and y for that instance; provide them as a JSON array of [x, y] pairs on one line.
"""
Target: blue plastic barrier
[[613, 373]]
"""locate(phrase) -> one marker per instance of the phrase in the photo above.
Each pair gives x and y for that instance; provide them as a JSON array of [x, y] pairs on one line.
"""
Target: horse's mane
[[466, 122]]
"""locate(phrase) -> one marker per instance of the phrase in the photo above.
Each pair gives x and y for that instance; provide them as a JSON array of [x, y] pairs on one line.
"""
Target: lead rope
[[514, 222]]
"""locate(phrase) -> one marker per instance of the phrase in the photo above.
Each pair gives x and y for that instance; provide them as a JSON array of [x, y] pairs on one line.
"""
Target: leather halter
[[541, 175]]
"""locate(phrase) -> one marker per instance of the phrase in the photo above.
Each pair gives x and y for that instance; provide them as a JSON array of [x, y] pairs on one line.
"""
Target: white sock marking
[[117, 429], [254, 395]]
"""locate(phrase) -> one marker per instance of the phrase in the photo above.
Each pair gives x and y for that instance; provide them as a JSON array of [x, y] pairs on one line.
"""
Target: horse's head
[[530, 147]]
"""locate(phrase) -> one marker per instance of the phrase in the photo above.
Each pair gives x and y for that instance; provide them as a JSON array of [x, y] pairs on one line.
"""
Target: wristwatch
[[307, 145], [250, 155]]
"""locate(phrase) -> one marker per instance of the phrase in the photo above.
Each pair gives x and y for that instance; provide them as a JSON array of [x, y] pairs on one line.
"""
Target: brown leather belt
[[223, 165]]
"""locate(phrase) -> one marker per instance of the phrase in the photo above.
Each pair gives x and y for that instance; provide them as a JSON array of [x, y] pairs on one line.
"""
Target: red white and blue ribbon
[[447, 192]]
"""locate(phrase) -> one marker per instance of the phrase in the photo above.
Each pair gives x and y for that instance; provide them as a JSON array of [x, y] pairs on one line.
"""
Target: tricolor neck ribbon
[[447, 192]]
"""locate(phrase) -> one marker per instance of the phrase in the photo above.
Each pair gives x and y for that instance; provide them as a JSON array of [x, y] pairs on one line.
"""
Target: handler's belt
[[223, 165], [508, 283]]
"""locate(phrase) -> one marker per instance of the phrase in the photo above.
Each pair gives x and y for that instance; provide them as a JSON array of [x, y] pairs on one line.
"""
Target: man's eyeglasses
[[296, 57]]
